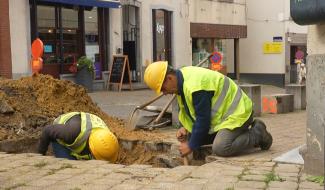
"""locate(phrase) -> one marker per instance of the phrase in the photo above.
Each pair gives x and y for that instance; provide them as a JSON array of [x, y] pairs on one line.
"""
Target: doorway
[[161, 29], [131, 39], [296, 52]]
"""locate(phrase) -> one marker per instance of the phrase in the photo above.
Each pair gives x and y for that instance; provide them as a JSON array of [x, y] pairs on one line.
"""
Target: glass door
[[161, 35]]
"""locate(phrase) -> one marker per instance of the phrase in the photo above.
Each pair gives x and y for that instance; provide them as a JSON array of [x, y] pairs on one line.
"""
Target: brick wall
[[5, 49], [202, 30]]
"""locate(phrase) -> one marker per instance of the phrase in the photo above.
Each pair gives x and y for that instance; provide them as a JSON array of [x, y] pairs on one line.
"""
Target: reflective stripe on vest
[[221, 98], [85, 137]]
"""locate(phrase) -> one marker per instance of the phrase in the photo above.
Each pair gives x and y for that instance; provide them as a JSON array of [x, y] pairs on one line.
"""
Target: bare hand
[[181, 134], [184, 149]]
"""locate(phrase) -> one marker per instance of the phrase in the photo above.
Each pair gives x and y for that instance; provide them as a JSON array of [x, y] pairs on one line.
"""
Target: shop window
[[203, 47], [91, 39], [47, 32], [161, 35]]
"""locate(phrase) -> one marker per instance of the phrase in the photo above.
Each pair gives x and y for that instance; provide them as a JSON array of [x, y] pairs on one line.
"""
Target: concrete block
[[98, 85], [70, 77], [253, 91], [278, 103], [299, 92]]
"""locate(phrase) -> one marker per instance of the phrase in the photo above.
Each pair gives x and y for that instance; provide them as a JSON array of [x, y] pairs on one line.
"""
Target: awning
[[93, 3]]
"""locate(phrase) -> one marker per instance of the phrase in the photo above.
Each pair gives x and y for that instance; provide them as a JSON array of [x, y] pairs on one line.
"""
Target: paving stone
[[225, 179], [194, 181], [310, 185], [267, 164], [25, 178], [286, 174], [189, 186], [81, 179], [230, 173], [288, 185], [29, 188], [289, 168], [141, 181], [103, 171], [264, 168], [73, 171], [218, 186], [203, 172], [256, 172], [160, 185], [11, 184], [57, 177], [41, 183], [96, 162], [250, 184], [169, 178], [140, 166], [118, 176], [127, 187], [292, 179], [253, 178], [104, 181]]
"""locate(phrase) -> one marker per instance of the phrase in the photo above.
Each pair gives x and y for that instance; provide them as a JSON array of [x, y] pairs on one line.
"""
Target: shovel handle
[[164, 109], [185, 160], [149, 102]]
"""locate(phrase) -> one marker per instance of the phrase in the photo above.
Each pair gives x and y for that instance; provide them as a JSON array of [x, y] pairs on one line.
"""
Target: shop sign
[[272, 47], [215, 60]]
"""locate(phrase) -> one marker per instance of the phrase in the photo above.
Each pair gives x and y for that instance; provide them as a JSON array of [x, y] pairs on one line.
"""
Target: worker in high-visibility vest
[[212, 108], [79, 135]]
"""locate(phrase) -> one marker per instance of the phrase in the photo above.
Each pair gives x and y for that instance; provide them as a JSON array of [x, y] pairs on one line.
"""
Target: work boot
[[265, 138]]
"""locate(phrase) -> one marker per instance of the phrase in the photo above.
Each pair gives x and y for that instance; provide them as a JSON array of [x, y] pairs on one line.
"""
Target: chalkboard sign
[[120, 71]]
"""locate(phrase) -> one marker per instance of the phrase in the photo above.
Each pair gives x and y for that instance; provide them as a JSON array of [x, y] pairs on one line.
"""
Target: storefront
[[209, 38], [70, 29]]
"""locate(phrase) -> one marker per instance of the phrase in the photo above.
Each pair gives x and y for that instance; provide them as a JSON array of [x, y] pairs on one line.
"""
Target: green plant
[[40, 164], [272, 177], [316, 179], [85, 62]]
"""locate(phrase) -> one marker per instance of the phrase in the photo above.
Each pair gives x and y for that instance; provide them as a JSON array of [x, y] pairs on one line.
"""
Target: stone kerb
[[254, 92], [299, 92], [278, 103]]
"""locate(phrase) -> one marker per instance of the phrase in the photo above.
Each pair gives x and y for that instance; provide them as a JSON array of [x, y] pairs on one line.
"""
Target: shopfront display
[[69, 32]]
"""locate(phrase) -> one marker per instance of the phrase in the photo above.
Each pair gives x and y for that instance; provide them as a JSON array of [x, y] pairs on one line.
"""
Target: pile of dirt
[[30, 103]]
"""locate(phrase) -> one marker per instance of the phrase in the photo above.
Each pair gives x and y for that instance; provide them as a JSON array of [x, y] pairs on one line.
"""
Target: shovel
[[149, 122]]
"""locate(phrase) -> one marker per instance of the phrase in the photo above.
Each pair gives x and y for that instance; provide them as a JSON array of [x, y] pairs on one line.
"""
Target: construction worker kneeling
[[79, 136], [212, 108]]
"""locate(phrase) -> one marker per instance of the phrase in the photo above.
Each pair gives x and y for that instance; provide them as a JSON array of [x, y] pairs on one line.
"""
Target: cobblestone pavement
[[35, 172], [248, 172]]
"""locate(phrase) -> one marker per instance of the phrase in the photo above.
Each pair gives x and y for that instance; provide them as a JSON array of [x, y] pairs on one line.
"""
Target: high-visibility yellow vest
[[89, 122], [230, 106]]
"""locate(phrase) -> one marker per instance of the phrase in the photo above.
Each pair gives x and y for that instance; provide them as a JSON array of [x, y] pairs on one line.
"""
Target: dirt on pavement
[[30, 103]]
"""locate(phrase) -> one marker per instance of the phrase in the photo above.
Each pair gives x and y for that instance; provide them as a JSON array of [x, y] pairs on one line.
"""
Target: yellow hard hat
[[154, 75], [103, 145]]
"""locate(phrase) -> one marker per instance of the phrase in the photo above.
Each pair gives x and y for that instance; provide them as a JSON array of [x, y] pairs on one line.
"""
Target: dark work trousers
[[232, 142], [61, 151]]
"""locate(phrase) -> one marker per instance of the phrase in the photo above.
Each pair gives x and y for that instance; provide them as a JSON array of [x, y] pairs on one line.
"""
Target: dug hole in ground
[[30, 103]]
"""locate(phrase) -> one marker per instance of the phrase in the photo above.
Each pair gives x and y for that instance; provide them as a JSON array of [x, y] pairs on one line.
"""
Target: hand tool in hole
[[148, 122], [183, 137], [153, 121]]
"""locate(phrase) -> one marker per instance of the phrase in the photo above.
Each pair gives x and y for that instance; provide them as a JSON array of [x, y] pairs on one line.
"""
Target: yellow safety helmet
[[103, 144], [154, 75]]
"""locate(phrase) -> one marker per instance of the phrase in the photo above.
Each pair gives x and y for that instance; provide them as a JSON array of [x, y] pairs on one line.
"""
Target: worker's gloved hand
[[181, 134], [184, 149]]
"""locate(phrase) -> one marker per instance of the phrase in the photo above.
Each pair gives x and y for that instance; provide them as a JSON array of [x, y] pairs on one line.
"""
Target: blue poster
[[48, 49]]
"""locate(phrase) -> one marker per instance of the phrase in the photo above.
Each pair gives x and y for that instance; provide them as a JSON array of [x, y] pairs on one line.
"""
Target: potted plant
[[85, 73]]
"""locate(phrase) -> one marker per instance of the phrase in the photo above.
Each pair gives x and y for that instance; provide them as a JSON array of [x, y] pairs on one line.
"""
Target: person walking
[[212, 110], [78, 136]]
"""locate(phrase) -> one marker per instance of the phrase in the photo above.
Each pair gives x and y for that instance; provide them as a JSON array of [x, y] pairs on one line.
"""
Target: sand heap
[[30, 103]]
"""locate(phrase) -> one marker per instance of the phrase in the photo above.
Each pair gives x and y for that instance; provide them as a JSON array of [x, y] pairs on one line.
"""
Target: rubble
[[30, 103]]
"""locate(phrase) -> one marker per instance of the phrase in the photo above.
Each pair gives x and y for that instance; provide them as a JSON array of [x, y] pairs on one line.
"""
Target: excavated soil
[[30, 103]]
